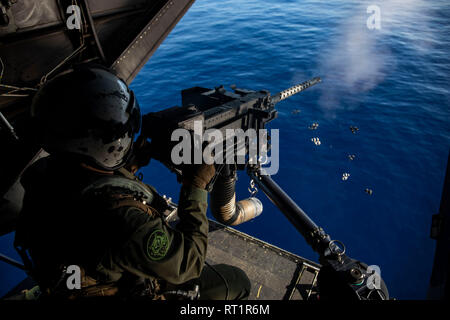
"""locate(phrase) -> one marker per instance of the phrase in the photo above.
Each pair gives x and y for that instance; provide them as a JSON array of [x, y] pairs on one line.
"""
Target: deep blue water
[[392, 83]]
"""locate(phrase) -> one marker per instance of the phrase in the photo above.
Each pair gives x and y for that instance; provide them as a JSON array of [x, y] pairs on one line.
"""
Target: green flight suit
[[60, 228]]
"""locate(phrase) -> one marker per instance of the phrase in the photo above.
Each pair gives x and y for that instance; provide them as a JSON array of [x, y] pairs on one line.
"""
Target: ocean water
[[391, 83]]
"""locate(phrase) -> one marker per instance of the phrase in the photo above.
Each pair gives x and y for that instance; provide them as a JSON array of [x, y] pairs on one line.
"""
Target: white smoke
[[357, 58]]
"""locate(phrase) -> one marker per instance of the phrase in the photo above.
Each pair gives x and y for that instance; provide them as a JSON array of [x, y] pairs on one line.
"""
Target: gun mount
[[341, 277]]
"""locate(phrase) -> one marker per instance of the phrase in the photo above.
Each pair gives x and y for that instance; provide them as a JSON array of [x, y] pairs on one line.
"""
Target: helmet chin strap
[[91, 168]]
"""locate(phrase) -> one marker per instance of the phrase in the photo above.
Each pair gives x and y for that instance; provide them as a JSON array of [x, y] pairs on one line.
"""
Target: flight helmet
[[89, 113]]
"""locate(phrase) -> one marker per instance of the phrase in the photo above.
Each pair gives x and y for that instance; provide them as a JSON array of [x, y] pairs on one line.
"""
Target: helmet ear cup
[[90, 113]]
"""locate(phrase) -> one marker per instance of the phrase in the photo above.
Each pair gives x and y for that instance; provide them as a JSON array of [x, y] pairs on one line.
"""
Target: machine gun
[[340, 277], [213, 109]]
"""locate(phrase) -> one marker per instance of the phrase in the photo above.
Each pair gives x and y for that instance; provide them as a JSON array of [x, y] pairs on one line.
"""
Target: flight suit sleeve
[[154, 249]]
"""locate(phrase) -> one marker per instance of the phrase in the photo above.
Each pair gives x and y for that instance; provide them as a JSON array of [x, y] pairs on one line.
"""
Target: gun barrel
[[295, 89]]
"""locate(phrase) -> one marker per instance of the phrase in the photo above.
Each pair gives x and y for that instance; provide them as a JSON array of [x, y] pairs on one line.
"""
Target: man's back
[[62, 226]]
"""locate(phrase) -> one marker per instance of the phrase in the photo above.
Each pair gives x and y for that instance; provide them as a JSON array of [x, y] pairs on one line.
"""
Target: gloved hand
[[198, 175]]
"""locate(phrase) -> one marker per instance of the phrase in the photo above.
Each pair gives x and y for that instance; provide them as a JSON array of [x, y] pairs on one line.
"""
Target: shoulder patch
[[157, 245]]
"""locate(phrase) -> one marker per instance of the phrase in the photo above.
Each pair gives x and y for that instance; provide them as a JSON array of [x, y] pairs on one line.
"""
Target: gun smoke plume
[[358, 58]]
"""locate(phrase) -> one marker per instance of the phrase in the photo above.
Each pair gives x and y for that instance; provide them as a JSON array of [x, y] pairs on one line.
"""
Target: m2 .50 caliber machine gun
[[340, 277]]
